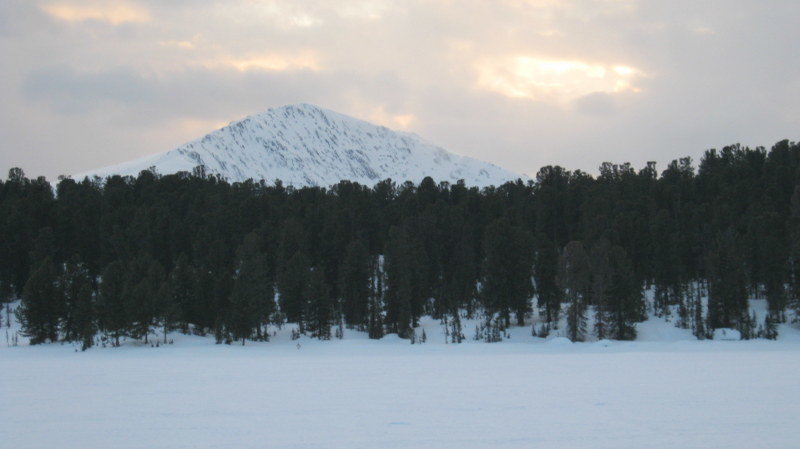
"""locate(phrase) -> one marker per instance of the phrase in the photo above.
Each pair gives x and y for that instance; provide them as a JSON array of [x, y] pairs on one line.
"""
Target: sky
[[519, 83]]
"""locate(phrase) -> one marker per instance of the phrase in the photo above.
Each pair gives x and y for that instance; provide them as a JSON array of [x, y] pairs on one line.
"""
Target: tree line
[[124, 256]]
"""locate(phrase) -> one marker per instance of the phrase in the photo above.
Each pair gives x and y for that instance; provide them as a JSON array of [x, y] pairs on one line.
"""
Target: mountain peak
[[306, 145]]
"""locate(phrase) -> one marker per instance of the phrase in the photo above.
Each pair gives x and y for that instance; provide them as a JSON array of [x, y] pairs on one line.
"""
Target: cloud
[[69, 91], [509, 81], [554, 80], [17, 18], [378, 114], [596, 104], [115, 13], [180, 44], [365, 10], [277, 62], [150, 113], [214, 94]]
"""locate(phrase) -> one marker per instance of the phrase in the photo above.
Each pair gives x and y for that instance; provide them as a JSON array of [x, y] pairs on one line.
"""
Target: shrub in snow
[[724, 333]]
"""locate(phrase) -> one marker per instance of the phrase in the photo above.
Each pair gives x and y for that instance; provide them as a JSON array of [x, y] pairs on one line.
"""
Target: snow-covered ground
[[664, 390]]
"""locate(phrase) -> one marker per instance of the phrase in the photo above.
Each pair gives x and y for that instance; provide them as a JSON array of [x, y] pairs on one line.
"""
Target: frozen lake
[[389, 394]]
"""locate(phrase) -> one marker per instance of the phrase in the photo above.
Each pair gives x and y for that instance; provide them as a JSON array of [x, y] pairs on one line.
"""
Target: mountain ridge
[[306, 145]]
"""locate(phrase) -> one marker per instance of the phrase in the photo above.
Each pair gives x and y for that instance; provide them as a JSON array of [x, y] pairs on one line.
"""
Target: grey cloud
[[203, 92], [717, 72], [68, 91], [18, 17], [597, 103]]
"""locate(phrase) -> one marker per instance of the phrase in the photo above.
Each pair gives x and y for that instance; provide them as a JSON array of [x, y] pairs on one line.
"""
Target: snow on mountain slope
[[304, 145]]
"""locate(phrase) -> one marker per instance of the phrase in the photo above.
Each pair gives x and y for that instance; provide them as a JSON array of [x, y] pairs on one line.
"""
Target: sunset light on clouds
[[114, 13], [520, 83], [551, 80]]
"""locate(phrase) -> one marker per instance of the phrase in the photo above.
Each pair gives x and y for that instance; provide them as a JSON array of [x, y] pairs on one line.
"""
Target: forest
[[97, 260]]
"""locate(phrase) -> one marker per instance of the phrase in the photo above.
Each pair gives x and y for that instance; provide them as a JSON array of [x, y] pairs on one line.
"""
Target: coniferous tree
[[573, 279], [375, 312], [773, 257], [40, 310], [354, 284], [770, 328], [699, 327], [243, 317], [727, 284], [545, 274], [112, 311], [319, 309], [26, 207], [166, 308], [400, 291], [625, 306], [508, 267], [600, 286], [143, 286], [793, 232], [253, 294], [740, 210], [291, 283], [85, 317], [43, 247], [183, 290], [666, 264], [460, 271], [76, 291], [456, 330]]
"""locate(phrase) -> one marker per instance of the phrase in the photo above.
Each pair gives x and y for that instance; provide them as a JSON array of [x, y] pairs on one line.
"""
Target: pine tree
[[599, 291], [698, 319], [145, 276], [727, 284], [252, 297], [84, 319], [375, 324], [747, 327], [794, 252], [75, 284], [460, 272], [770, 328], [166, 308], [573, 280], [400, 291], [291, 283], [112, 312], [683, 311], [508, 269], [375, 312], [545, 273], [456, 331], [42, 304], [243, 317], [626, 305], [354, 284], [43, 247], [667, 266], [183, 289], [319, 309]]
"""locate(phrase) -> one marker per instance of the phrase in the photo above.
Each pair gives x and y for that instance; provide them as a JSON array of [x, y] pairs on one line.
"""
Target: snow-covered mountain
[[305, 145]]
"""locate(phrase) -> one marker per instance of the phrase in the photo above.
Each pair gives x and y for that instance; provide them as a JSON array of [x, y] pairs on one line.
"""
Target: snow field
[[663, 390], [365, 394]]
